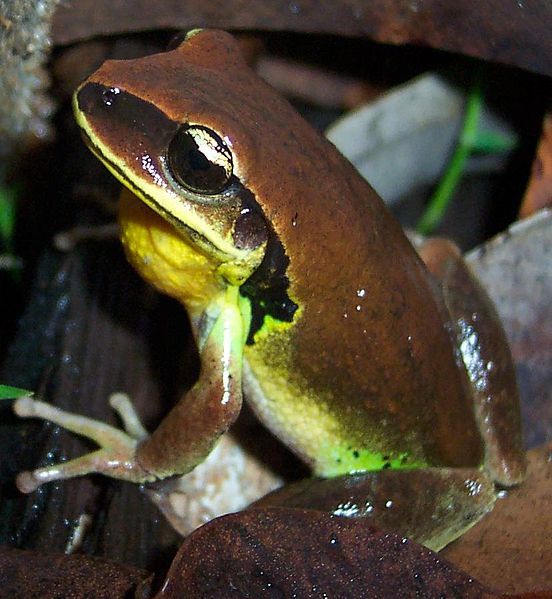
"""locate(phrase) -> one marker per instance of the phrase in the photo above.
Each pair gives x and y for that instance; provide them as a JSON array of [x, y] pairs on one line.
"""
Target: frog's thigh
[[484, 350], [431, 506]]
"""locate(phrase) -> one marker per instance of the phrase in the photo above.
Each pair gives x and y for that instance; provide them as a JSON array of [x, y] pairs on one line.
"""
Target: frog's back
[[365, 374]]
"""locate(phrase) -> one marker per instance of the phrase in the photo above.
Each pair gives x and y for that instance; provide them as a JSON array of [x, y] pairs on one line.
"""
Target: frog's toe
[[115, 458], [121, 403], [26, 482], [116, 464], [29, 481]]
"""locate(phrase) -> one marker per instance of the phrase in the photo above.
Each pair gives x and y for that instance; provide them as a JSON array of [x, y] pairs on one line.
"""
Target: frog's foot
[[116, 456]]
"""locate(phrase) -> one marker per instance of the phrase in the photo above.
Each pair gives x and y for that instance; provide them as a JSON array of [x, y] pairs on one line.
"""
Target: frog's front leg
[[186, 435]]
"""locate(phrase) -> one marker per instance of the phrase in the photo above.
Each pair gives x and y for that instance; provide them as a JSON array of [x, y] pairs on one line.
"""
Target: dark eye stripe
[[130, 127]]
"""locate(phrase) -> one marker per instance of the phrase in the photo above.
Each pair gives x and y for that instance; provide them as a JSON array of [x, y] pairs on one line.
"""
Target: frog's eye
[[199, 160]]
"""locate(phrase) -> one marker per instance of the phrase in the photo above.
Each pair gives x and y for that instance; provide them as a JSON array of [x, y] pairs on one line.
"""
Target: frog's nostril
[[109, 95]]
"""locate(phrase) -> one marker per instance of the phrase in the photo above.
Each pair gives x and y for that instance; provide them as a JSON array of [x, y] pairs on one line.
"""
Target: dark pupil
[[191, 168], [197, 160]]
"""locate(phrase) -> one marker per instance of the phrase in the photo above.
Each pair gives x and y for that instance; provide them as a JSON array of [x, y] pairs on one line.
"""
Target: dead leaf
[[50, 576], [511, 549], [280, 552], [491, 30], [539, 189]]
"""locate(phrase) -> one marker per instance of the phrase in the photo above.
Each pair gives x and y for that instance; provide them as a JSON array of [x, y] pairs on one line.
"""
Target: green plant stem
[[441, 197], [7, 392]]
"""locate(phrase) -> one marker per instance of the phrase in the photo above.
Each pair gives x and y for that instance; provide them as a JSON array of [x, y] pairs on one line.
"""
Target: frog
[[374, 361]]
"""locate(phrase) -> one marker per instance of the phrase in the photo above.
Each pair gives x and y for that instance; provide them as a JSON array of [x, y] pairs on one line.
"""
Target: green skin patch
[[335, 461], [244, 306], [270, 325]]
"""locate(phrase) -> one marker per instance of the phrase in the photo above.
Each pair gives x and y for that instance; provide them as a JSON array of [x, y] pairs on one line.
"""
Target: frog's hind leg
[[432, 506], [483, 348], [117, 447]]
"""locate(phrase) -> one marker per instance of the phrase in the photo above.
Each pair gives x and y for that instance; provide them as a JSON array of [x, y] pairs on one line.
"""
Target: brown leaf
[[48, 576], [539, 189], [280, 552], [511, 549]]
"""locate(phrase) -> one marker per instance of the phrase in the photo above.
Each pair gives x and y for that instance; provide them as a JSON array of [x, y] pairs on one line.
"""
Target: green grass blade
[[7, 392], [443, 194]]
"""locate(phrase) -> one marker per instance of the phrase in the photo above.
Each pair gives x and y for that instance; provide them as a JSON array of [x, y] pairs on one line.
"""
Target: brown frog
[[302, 290]]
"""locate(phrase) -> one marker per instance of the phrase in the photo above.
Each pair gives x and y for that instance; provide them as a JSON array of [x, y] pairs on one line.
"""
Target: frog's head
[[171, 128]]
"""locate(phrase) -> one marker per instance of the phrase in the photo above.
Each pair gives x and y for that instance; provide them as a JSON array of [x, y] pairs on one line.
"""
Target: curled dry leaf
[[281, 552], [48, 576], [491, 30], [539, 189], [511, 549]]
